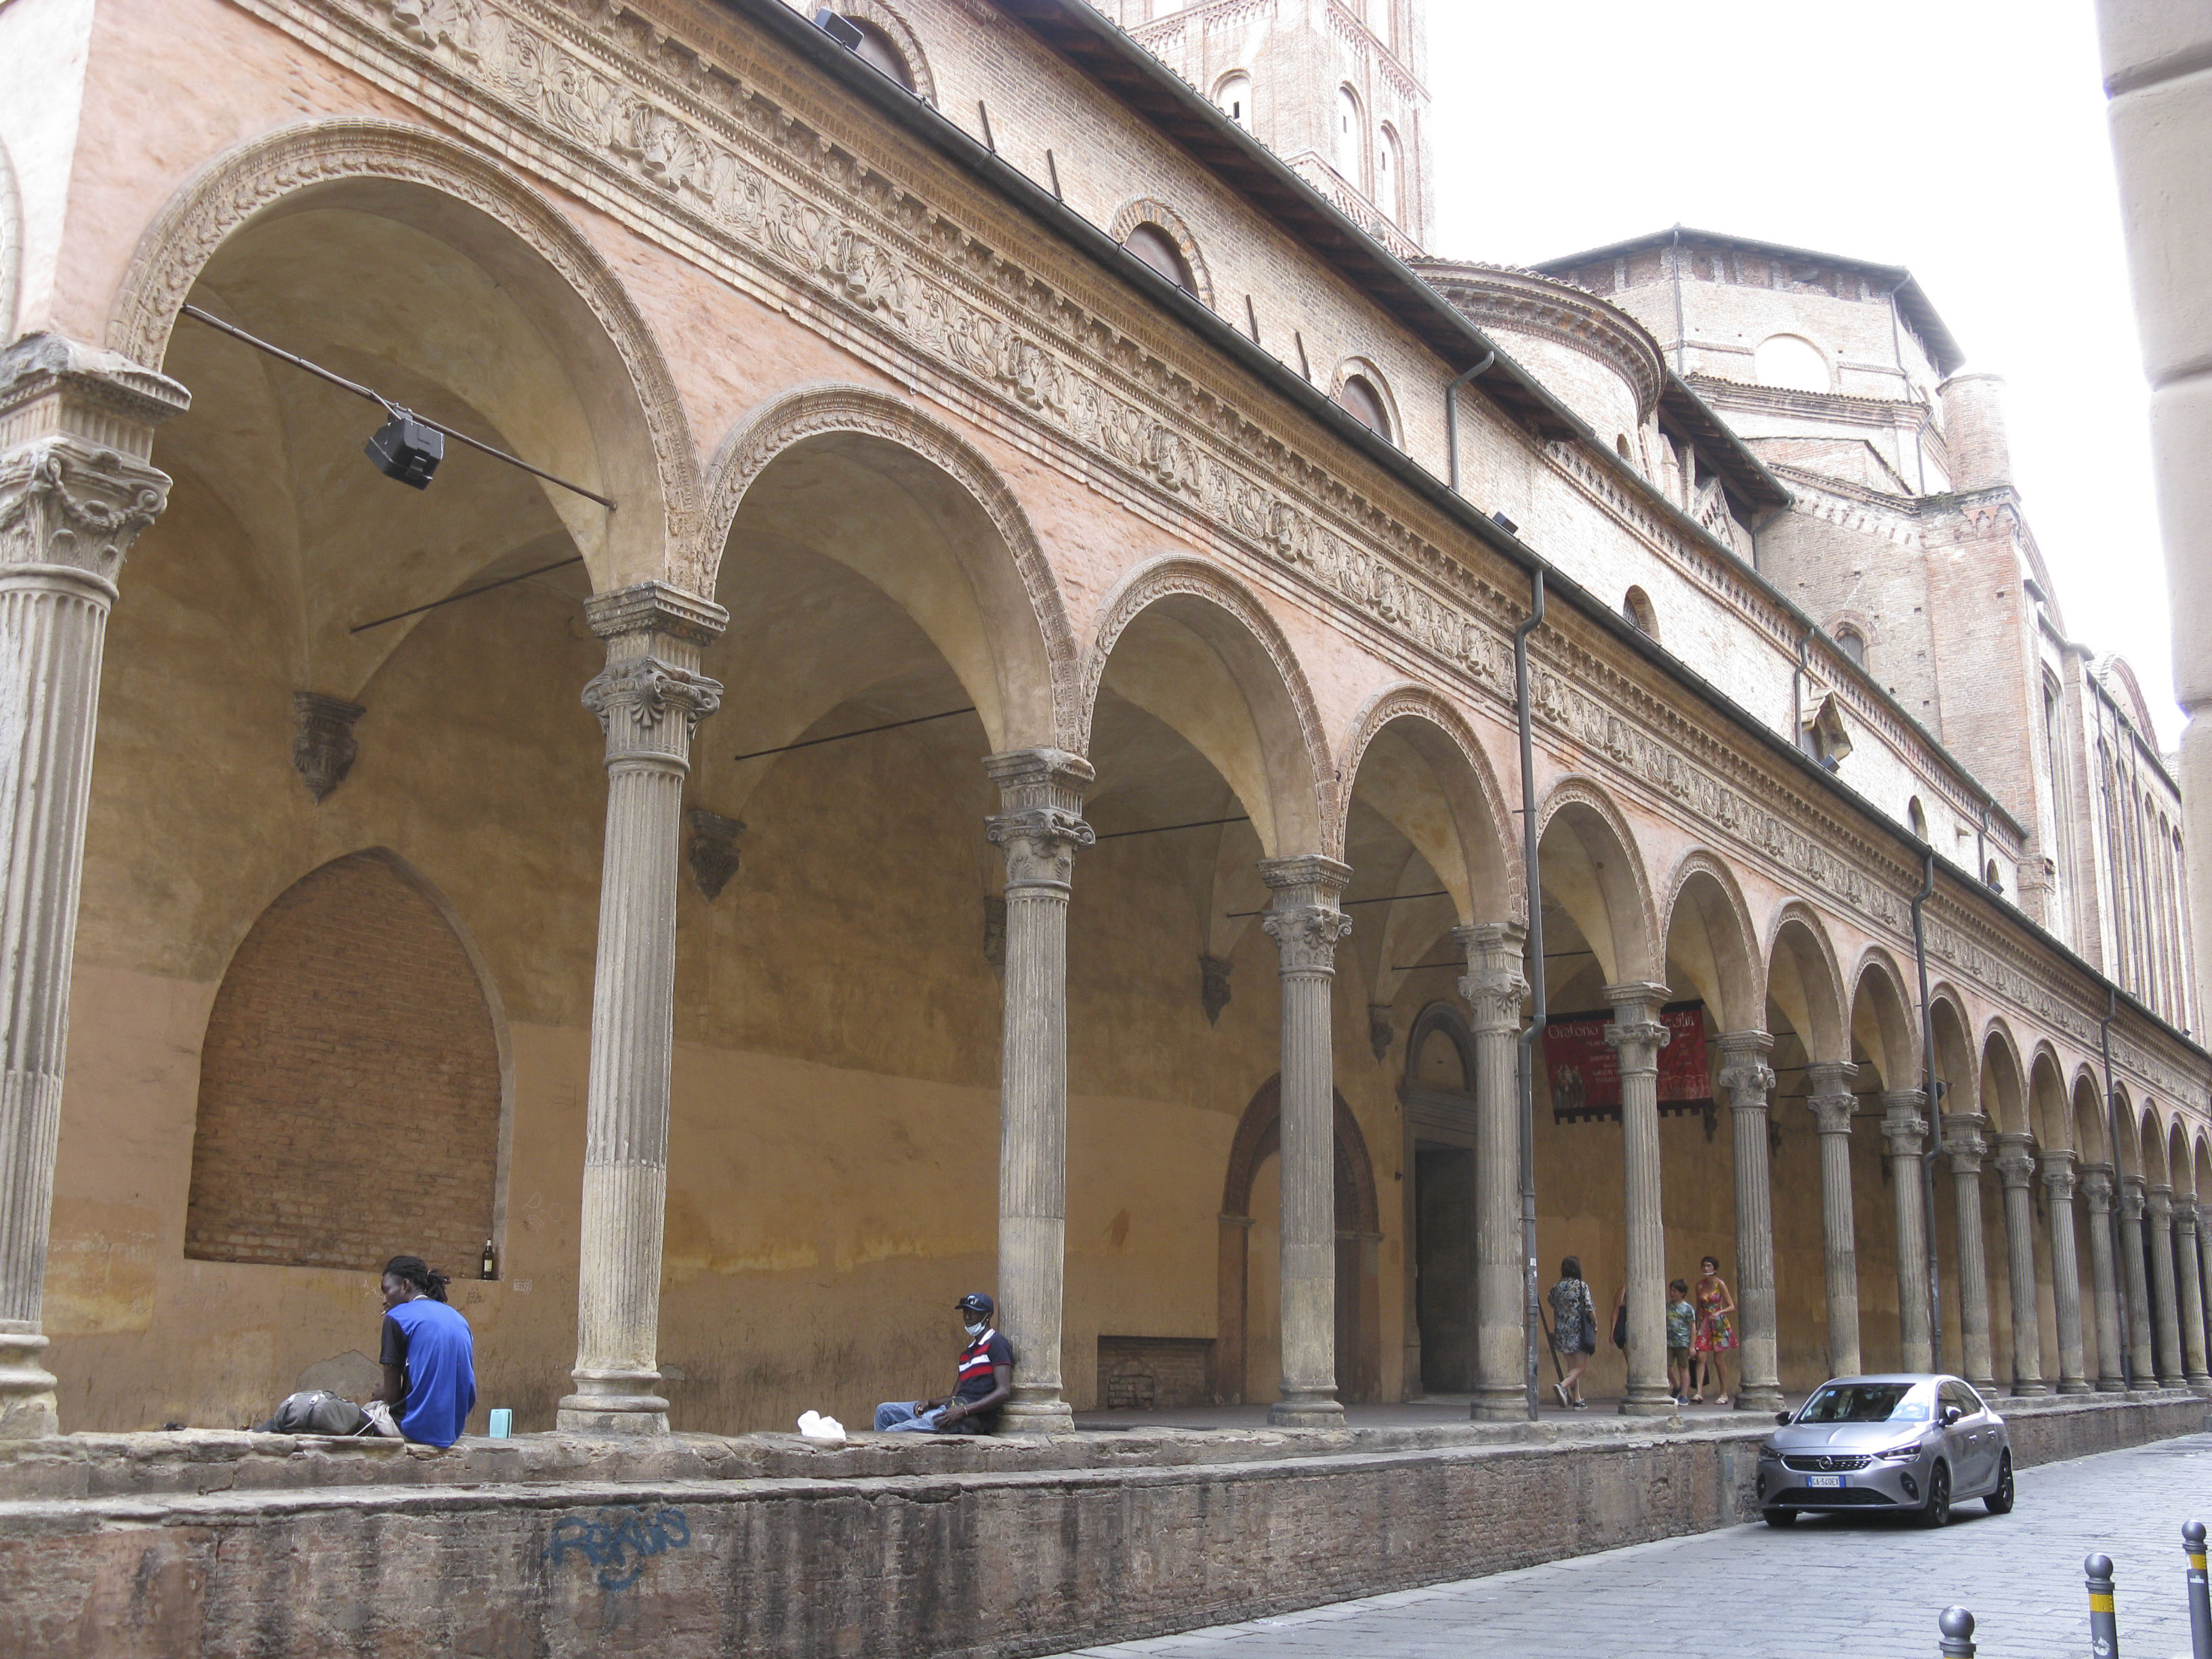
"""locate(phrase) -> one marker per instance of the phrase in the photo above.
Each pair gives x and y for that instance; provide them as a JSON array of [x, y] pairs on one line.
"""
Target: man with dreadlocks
[[429, 1358]]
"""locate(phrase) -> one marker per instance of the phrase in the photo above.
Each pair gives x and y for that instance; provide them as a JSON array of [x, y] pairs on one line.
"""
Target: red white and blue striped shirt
[[976, 1363]]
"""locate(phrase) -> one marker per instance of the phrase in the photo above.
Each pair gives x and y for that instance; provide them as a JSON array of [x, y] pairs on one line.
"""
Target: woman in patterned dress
[[1574, 1325], [1715, 1336]]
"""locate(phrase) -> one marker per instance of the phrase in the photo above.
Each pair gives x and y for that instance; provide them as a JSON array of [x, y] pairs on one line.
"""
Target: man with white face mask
[[985, 1380]]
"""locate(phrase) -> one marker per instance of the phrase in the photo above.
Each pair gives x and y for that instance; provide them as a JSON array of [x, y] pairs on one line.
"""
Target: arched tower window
[[1636, 605], [1851, 643], [1347, 133], [1916, 816], [1791, 361], [350, 1083], [1387, 186], [1363, 399], [1152, 245], [1234, 96], [877, 46]]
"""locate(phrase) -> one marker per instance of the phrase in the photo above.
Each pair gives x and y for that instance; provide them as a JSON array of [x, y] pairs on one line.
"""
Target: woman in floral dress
[[1715, 1336], [1573, 1330]]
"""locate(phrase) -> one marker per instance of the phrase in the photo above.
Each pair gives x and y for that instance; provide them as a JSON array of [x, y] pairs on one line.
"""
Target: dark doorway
[[1444, 1269]]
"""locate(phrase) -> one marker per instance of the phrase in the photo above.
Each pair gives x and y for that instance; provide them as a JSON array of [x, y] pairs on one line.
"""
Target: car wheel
[[1999, 1502], [1779, 1517], [1937, 1511]]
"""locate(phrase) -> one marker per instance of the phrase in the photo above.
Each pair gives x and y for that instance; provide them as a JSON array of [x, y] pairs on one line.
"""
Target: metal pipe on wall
[[1934, 1110], [1532, 1316]]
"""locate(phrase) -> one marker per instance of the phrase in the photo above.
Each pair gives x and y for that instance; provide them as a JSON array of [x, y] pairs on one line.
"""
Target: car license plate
[[1830, 1481]]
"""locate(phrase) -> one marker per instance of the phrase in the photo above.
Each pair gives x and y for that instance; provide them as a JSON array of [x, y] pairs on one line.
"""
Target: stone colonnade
[[76, 489]]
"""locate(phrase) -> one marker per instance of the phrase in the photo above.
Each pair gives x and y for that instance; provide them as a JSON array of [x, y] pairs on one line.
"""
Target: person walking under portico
[[1716, 1335], [983, 1382]]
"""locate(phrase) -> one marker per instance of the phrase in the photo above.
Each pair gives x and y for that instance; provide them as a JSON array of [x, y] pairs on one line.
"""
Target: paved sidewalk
[[1848, 1587]]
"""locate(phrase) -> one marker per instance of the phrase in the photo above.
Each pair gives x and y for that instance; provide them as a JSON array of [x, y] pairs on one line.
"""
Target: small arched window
[[1234, 96], [1387, 184], [1991, 876], [1636, 605], [1916, 816], [1851, 643], [873, 47], [1792, 361], [1620, 446], [1347, 132], [1359, 395], [1153, 245]]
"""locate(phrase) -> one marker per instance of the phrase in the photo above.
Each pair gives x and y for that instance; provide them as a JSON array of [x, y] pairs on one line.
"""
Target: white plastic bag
[[812, 1425]]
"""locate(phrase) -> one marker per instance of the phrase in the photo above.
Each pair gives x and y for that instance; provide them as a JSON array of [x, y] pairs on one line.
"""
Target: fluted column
[[2016, 1162], [2204, 1264], [76, 428], [1750, 1080], [2142, 1361], [1638, 1035], [1039, 831], [2060, 1175], [1963, 1144], [1830, 1100], [2166, 1312], [1904, 1134], [650, 699], [1306, 924], [2098, 1192], [1494, 988], [2190, 1298]]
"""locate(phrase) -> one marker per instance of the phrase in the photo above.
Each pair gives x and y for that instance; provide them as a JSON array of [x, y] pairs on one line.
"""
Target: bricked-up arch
[[351, 1083]]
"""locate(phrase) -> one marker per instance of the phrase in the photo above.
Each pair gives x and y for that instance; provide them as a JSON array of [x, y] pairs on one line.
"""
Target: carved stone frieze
[[324, 747]]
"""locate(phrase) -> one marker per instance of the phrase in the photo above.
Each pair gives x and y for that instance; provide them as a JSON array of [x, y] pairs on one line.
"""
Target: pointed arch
[[1803, 977], [1704, 910], [641, 452], [1484, 878], [1595, 871], [1011, 644], [1293, 806]]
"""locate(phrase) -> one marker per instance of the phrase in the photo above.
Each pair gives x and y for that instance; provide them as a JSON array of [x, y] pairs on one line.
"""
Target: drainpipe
[[1934, 1110], [1532, 1318], [1982, 846], [1451, 429], [2112, 1136], [1797, 689]]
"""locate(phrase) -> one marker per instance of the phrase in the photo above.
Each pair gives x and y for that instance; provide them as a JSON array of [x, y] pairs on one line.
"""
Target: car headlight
[[1768, 1455], [1904, 1454]]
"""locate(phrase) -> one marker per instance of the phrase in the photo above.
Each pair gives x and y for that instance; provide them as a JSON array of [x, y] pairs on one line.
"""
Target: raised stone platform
[[196, 1543]]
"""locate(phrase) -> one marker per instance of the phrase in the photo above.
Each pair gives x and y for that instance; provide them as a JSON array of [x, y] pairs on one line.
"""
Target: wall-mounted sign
[[1585, 1070]]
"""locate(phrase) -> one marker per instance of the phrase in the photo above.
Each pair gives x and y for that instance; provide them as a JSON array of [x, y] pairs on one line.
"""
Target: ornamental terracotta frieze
[[708, 155]]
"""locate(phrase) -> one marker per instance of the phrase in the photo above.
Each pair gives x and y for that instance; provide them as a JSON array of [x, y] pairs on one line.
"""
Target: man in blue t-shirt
[[428, 1356], [985, 1380]]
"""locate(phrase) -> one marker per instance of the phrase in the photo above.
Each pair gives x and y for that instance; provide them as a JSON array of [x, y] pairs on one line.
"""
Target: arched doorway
[[1240, 1335]]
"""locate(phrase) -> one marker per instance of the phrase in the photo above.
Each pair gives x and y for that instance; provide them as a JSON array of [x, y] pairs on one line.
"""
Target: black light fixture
[[838, 29], [406, 449]]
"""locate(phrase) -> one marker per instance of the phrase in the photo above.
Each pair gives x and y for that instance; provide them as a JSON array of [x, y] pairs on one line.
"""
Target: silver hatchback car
[[1908, 1442]]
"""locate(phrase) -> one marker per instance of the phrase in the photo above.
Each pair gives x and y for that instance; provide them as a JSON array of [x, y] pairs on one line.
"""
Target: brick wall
[[349, 1086]]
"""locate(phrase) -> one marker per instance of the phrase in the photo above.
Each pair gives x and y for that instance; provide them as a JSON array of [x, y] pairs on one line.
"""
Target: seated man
[[985, 1380]]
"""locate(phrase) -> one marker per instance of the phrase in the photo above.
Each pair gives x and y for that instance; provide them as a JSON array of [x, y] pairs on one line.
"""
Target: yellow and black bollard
[[2103, 1628], [2200, 1599], [1957, 1626]]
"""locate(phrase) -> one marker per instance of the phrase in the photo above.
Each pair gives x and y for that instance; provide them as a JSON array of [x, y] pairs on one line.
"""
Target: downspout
[[1982, 846], [1451, 418], [1676, 262], [1532, 1316], [1934, 1110], [1797, 689], [2113, 1218]]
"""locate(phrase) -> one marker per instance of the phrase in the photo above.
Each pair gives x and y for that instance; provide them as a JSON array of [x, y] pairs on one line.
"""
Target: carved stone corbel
[[1213, 987], [323, 745], [711, 849]]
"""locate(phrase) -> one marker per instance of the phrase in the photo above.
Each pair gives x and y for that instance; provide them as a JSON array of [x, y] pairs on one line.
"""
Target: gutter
[[930, 127]]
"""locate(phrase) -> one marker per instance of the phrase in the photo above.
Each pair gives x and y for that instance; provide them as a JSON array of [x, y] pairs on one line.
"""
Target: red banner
[[1584, 1072]]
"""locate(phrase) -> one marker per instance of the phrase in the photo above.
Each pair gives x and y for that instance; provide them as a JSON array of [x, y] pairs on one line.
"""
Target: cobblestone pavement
[[1850, 1586]]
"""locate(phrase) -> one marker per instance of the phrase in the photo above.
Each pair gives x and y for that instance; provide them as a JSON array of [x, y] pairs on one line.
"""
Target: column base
[[1499, 1405], [2111, 1385], [1649, 1405], [1035, 1418], [1306, 1411], [1985, 1385], [1760, 1397], [2077, 1385], [28, 1409], [620, 1404], [2201, 1385], [2031, 1389]]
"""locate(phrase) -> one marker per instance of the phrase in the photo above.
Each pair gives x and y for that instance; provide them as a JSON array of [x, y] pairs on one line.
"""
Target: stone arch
[[1882, 1022], [1151, 210], [1291, 814], [2120, 1111], [355, 1009], [1803, 977], [1486, 881], [1957, 1068], [2051, 1119], [2179, 1173], [641, 435], [1601, 884], [2150, 1145], [1019, 658], [1365, 371], [2093, 1136], [1258, 1135], [2002, 1089], [1706, 905]]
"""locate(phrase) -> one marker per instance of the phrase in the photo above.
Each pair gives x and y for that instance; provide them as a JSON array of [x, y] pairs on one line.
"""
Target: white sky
[[1963, 138]]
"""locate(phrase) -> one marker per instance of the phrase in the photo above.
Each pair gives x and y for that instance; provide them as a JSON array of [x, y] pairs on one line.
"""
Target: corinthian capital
[[1494, 985], [648, 708], [2016, 1158], [1744, 1071], [2097, 1187], [2061, 1174], [1303, 919], [76, 425], [1902, 1128], [1963, 1141], [1042, 827]]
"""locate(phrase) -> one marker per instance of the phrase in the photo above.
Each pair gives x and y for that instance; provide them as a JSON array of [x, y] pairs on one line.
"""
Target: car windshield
[[1865, 1402]]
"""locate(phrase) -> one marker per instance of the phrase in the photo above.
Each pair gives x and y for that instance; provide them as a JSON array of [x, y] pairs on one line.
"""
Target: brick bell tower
[[1338, 88]]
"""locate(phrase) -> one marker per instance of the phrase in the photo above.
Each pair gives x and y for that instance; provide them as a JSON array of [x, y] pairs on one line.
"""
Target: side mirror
[[1782, 1418], [1951, 1414]]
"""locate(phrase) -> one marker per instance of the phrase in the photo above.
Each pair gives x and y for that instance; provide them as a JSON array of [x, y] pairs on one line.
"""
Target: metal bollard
[[2103, 1628], [2200, 1599], [1958, 1627]]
